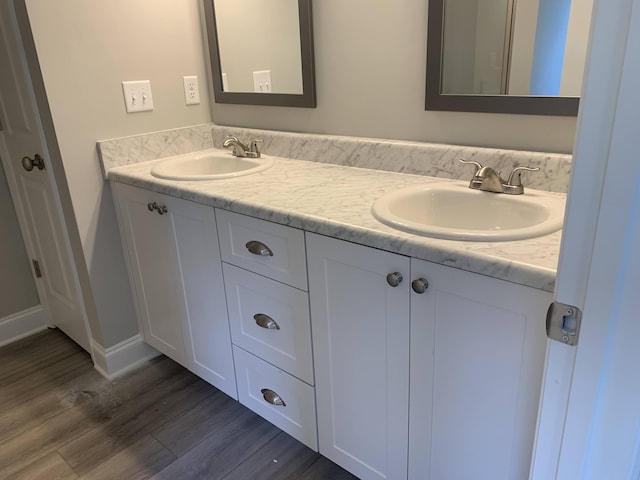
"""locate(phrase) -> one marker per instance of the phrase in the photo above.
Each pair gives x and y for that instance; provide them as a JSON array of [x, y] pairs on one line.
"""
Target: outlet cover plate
[[191, 90]]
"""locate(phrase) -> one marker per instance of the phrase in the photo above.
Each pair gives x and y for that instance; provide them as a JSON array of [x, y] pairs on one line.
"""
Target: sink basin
[[455, 212], [210, 164]]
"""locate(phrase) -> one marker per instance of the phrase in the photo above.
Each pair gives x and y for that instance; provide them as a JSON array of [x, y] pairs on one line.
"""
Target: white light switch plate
[[262, 81], [137, 96], [191, 90]]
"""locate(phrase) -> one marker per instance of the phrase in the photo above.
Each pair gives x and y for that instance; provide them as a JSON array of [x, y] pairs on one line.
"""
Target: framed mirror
[[506, 56], [261, 52]]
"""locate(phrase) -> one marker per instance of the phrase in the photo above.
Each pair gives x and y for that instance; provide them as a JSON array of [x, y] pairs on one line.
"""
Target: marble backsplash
[[436, 160]]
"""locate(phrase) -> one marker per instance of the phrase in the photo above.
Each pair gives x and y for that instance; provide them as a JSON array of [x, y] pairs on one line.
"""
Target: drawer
[[261, 385], [270, 320], [243, 240]]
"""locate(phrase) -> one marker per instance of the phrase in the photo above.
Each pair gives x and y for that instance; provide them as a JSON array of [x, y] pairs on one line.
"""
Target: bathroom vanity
[[394, 355]]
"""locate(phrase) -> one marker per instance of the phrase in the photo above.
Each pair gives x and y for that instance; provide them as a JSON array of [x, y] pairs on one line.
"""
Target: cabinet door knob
[[420, 285], [161, 209], [259, 248], [272, 397], [394, 279], [265, 321]]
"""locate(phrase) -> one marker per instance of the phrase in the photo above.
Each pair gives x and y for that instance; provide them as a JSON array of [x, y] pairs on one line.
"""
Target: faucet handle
[[515, 177], [514, 184], [471, 162], [253, 147]]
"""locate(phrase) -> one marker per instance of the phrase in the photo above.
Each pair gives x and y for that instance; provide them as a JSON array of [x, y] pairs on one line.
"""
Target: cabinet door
[[360, 330], [154, 270], [208, 337], [177, 276], [477, 354]]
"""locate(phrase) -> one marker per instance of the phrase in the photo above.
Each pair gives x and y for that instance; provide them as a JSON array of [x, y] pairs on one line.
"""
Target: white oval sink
[[212, 164], [455, 212]]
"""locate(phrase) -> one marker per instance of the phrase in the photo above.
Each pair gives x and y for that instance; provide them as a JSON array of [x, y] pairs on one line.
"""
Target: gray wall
[[85, 50], [370, 70], [17, 287]]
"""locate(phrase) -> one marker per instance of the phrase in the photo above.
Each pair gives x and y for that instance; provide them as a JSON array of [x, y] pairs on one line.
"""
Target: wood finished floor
[[59, 419]]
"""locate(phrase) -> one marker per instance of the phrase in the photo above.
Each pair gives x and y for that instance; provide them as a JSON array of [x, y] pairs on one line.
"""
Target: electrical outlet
[[137, 96], [191, 91], [262, 81]]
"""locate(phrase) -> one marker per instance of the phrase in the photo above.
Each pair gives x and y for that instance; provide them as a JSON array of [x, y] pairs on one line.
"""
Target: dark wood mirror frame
[[308, 96], [435, 100]]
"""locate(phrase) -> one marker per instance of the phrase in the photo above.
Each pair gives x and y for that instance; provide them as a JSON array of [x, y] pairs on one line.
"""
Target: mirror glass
[[261, 51], [511, 56]]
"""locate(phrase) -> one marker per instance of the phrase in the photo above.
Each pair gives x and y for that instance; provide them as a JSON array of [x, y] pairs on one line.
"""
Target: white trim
[[22, 324], [122, 357]]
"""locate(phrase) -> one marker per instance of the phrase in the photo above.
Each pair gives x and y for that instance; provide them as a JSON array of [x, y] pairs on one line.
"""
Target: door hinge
[[563, 323], [36, 268]]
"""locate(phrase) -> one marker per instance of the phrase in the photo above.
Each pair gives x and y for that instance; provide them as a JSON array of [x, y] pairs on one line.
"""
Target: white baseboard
[[22, 324], [127, 355]]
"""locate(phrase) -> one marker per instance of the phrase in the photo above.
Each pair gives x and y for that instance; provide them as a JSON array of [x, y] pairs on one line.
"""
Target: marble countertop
[[336, 201]]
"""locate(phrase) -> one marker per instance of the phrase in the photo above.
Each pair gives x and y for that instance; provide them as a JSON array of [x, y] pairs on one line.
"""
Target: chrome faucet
[[239, 149], [489, 180]]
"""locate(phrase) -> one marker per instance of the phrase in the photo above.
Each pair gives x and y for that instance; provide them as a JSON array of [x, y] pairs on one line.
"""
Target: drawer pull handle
[[272, 397], [259, 248], [265, 321]]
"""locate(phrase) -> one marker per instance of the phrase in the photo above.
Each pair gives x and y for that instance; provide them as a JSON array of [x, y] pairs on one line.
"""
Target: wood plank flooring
[[59, 419]]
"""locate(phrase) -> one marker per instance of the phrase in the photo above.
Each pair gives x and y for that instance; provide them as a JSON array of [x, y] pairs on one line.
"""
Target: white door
[[477, 352], [589, 421], [37, 201], [360, 335], [155, 269]]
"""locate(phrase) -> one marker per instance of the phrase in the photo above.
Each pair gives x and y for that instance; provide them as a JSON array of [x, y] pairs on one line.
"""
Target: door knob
[[420, 285], [29, 163], [161, 209], [394, 279]]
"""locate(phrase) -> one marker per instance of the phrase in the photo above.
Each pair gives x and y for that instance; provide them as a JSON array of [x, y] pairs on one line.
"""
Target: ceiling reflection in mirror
[[514, 47], [259, 46]]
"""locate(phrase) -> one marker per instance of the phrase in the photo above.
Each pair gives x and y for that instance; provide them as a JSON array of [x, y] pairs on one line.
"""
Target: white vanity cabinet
[[174, 264], [361, 356], [477, 353], [394, 368]]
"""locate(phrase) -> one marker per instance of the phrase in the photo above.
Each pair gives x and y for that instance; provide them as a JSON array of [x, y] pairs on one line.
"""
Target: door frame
[[602, 210], [54, 171]]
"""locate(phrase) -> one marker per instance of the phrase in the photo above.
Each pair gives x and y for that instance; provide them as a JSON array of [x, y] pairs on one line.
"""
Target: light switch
[[262, 81], [137, 96]]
